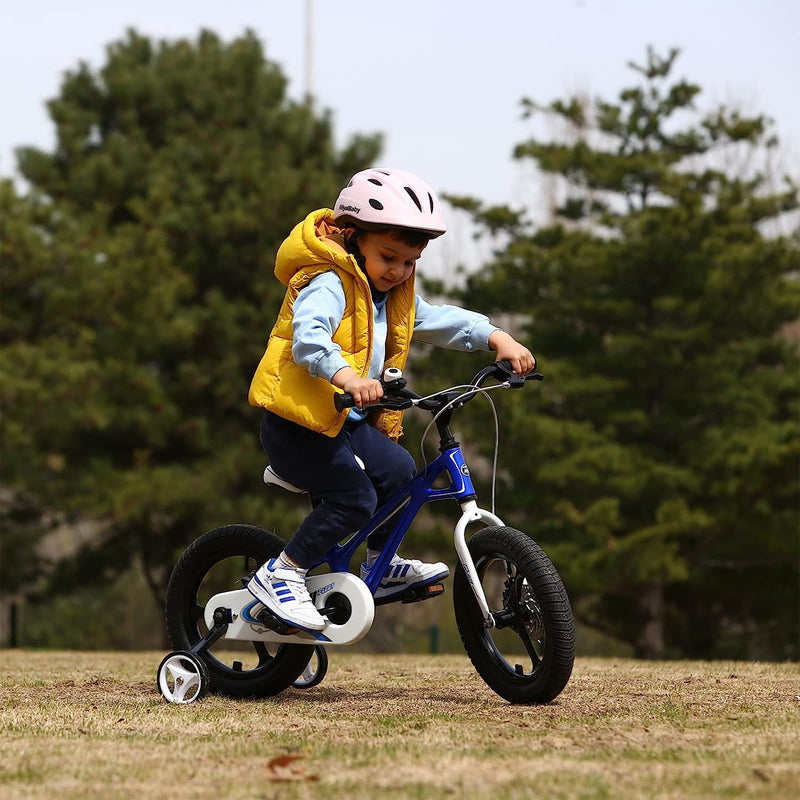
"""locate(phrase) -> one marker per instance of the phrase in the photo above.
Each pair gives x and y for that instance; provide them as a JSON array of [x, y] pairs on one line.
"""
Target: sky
[[441, 80]]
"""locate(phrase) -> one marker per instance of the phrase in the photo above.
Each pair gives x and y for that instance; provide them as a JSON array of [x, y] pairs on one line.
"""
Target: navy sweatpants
[[345, 495]]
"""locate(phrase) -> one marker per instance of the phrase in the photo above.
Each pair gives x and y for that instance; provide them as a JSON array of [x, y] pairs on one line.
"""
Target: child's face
[[388, 261]]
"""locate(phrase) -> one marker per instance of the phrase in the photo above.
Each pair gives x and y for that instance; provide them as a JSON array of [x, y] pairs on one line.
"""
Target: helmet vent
[[430, 200], [376, 204], [413, 196], [375, 181]]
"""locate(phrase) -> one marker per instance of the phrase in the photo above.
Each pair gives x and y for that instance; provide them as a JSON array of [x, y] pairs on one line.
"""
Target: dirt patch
[[78, 725]]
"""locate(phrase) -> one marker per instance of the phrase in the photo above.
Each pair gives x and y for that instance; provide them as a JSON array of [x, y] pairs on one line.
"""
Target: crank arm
[[216, 631]]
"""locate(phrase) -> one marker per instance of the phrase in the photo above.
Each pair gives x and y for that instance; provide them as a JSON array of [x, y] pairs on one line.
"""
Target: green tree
[[661, 455], [138, 294]]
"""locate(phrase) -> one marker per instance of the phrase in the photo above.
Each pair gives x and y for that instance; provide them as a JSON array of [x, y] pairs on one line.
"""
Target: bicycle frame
[[409, 501]]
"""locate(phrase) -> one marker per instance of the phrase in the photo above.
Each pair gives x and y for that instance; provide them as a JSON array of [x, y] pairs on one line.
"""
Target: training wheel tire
[[182, 677], [314, 671]]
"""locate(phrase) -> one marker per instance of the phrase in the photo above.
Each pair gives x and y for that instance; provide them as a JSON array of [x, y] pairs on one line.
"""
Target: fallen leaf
[[285, 768]]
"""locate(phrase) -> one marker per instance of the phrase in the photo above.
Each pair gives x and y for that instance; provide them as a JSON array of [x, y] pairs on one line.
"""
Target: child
[[350, 312]]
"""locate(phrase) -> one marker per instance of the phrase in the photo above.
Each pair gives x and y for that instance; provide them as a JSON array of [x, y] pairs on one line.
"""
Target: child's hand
[[364, 390], [509, 349]]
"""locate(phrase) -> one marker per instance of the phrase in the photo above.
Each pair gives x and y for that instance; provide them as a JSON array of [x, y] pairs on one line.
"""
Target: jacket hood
[[315, 242]]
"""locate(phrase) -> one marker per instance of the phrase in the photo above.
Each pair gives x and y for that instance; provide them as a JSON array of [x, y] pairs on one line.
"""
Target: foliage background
[[658, 465]]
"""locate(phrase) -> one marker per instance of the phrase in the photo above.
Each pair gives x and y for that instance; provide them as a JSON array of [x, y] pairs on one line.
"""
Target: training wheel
[[183, 677], [314, 671]]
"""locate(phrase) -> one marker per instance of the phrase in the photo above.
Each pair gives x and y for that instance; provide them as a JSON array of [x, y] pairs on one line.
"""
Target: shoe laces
[[296, 582], [414, 562]]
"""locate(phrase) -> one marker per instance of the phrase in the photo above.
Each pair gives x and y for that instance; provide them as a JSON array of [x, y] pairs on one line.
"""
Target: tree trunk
[[650, 643]]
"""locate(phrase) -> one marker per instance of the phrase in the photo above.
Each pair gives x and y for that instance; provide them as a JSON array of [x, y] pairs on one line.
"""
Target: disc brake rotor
[[531, 612]]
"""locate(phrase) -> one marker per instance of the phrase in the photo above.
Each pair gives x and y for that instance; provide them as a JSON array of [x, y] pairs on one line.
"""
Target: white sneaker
[[283, 592], [403, 574]]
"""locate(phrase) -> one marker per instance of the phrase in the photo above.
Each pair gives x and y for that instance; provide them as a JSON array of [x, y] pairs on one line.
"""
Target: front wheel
[[528, 657]]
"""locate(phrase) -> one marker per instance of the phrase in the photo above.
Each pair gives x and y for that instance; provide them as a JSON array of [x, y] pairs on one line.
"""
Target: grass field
[[79, 726]]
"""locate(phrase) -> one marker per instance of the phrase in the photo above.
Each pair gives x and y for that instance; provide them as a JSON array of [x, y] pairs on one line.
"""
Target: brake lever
[[513, 380]]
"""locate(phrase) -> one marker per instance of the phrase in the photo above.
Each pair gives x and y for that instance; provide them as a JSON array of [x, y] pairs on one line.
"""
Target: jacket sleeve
[[451, 327], [317, 313]]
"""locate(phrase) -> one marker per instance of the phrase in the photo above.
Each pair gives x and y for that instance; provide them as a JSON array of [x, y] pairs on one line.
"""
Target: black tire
[[520, 581], [221, 560]]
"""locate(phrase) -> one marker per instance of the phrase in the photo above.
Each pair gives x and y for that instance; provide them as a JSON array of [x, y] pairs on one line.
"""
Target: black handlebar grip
[[531, 376], [343, 400]]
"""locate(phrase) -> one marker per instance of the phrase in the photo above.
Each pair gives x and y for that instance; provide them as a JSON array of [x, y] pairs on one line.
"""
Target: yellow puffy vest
[[315, 245]]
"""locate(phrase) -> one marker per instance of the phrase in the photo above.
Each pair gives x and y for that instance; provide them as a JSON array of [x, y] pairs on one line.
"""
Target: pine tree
[[138, 292], [660, 464]]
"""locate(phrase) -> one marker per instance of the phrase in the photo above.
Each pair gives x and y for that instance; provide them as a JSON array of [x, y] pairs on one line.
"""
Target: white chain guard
[[244, 627]]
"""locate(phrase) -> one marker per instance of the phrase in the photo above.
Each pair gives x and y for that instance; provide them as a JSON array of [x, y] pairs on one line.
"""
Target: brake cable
[[473, 390]]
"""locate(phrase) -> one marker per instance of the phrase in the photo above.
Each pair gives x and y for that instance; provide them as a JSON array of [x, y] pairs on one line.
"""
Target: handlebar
[[398, 397], [502, 372], [343, 400]]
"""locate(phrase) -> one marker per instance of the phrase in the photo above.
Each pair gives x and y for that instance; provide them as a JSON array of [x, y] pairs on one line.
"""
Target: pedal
[[269, 620], [414, 595], [424, 592]]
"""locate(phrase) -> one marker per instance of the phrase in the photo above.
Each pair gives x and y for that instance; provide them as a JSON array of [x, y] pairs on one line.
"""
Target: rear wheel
[[221, 560], [528, 656]]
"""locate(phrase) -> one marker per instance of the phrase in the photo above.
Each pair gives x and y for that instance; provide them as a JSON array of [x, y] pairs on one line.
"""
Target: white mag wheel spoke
[[309, 672], [314, 671], [181, 680]]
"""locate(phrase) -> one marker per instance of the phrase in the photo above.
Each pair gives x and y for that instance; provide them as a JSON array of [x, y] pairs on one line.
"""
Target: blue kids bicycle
[[511, 607]]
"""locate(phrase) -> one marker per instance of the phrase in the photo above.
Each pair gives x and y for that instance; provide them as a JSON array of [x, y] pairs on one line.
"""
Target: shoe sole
[[383, 594]]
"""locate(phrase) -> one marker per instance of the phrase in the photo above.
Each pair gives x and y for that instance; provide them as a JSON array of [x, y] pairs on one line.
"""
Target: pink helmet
[[391, 197]]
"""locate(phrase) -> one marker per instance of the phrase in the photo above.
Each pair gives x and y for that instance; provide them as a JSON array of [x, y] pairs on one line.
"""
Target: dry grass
[[79, 726]]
